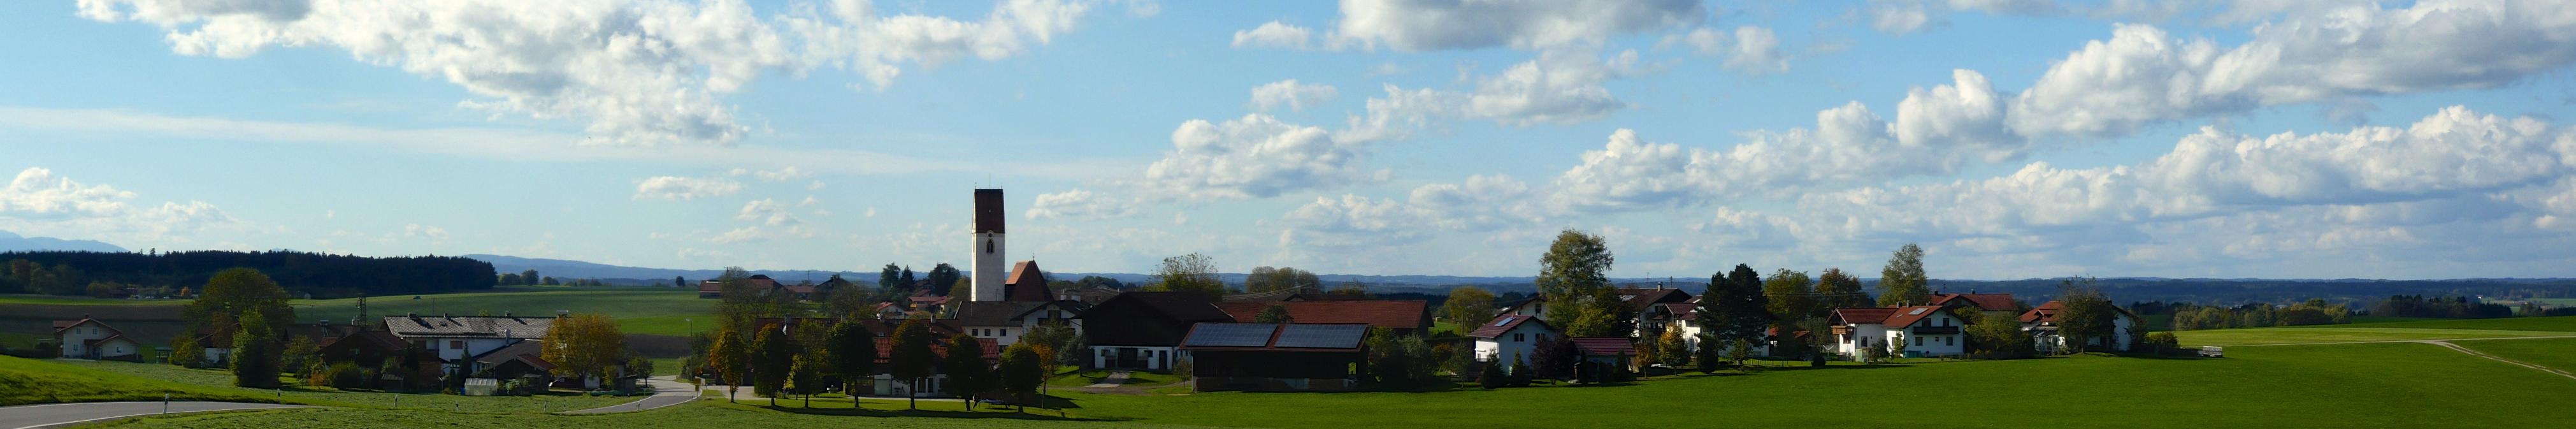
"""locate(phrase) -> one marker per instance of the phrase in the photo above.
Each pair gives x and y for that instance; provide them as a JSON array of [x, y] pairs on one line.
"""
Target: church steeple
[[988, 247]]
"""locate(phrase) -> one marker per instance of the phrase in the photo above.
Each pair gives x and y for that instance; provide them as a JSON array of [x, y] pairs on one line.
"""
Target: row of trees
[[67, 273], [811, 358], [2448, 307], [2188, 317]]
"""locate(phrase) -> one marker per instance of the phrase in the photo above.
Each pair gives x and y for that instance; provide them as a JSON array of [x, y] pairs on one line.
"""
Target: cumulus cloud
[[767, 212], [781, 174], [38, 201], [1519, 24], [643, 72], [1275, 34], [1295, 96], [1559, 87], [1255, 156], [1480, 203], [1076, 204], [2143, 75], [1757, 51], [685, 188]]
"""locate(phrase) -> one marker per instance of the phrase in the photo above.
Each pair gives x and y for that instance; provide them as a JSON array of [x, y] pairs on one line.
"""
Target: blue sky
[[2011, 138]]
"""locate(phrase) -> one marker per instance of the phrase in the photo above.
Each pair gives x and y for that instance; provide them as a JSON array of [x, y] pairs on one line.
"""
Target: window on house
[[459, 345], [1949, 341], [1520, 337], [1918, 341]]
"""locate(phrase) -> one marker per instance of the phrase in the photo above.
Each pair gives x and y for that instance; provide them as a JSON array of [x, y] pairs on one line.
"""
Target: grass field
[[28, 381], [2372, 385], [638, 310], [2428, 329], [222, 381], [2557, 353], [700, 415]]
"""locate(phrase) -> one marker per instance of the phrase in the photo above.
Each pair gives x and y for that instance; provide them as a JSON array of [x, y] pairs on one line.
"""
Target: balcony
[[1936, 330]]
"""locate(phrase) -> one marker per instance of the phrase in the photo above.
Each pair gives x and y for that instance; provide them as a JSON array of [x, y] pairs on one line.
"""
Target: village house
[[1274, 356], [1989, 304], [1507, 336], [372, 349], [1026, 303], [1926, 330], [520, 362], [458, 338], [1143, 330], [1404, 317], [710, 289], [92, 339], [2041, 322]]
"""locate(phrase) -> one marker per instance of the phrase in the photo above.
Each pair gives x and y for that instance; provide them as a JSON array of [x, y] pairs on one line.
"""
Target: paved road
[[666, 392], [55, 415]]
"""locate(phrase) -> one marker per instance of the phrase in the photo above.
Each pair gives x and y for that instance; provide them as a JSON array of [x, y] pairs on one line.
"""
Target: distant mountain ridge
[[12, 242], [624, 275]]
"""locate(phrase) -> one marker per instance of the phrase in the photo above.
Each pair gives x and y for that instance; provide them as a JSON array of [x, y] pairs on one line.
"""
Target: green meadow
[[705, 414], [2436, 329], [2559, 353], [212, 380], [29, 381]]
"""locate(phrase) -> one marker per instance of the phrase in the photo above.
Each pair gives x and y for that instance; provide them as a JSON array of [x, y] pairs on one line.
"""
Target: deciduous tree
[[584, 345], [1023, 369], [1792, 294], [1575, 266], [1275, 313], [254, 353], [910, 357], [234, 293], [1189, 273], [2085, 313], [969, 376], [944, 275], [729, 358], [1903, 281], [772, 356], [853, 354], [1468, 305], [1837, 289]]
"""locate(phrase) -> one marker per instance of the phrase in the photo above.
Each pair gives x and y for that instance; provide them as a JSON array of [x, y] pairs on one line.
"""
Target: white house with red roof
[[1507, 336], [1926, 330], [92, 339]]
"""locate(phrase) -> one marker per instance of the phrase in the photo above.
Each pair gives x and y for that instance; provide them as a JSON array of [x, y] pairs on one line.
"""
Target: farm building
[[1508, 336], [1275, 356], [1405, 317], [1143, 330]]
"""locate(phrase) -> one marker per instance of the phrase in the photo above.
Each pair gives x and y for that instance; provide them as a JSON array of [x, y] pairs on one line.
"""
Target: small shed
[[482, 386], [1275, 356], [1607, 351]]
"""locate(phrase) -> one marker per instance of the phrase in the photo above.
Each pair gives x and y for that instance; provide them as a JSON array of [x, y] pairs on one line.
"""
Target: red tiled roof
[[1645, 297], [1383, 314], [1906, 316], [1027, 284], [1864, 315], [1500, 325], [1605, 346], [1983, 301], [59, 326], [2045, 313]]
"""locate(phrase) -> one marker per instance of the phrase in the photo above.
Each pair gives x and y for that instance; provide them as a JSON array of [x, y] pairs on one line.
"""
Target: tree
[[1674, 352], [1492, 377], [680, 281], [1792, 294], [910, 281], [805, 376], [2085, 314], [1552, 357], [853, 354], [1520, 370], [1739, 351], [1468, 305], [234, 293], [910, 357], [1267, 279], [1903, 281], [299, 355], [1061, 342], [943, 275], [509, 278], [1734, 308], [184, 351], [1349, 288], [254, 353], [1386, 359], [772, 355], [584, 345], [528, 277], [729, 359], [968, 375], [891, 279], [1189, 273], [1275, 313], [1998, 337], [1576, 265], [1837, 289], [1023, 369]]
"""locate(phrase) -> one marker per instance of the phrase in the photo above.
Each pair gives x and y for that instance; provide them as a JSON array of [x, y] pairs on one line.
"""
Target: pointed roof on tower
[[1026, 283]]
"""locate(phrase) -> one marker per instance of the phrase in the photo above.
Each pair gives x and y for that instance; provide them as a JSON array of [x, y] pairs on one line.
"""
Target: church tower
[[988, 268]]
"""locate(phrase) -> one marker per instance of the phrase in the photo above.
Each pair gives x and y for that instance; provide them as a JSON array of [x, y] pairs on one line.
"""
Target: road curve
[[666, 392], [58, 415]]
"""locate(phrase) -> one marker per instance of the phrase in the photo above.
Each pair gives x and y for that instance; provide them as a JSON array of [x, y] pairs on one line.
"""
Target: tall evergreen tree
[[891, 279], [1903, 281], [944, 276], [1734, 308]]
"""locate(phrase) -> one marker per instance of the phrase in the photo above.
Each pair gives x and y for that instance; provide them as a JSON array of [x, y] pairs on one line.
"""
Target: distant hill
[[624, 275], [12, 242]]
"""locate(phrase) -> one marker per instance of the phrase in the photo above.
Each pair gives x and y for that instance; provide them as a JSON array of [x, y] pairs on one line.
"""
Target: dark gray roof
[[470, 326], [1007, 313]]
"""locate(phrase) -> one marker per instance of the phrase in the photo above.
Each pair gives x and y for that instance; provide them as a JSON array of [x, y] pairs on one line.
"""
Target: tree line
[[322, 275]]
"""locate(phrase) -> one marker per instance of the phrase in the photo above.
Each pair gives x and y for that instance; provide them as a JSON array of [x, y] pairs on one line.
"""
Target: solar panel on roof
[[1916, 311], [1230, 335], [1502, 321], [1323, 336]]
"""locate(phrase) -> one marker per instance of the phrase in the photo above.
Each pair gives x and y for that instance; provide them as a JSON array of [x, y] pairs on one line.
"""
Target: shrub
[[342, 375], [2163, 339]]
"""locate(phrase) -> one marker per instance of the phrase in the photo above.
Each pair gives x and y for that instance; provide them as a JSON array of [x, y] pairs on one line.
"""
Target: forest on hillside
[[321, 275]]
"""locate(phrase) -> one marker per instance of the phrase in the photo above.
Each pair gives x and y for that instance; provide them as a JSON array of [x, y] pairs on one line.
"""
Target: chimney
[[411, 315]]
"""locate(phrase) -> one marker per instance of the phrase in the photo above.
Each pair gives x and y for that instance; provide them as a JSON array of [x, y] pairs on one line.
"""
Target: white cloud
[[37, 201], [1295, 96], [1757, 51], [1255, 156], [755, 234], [809, 200], [1519, 24], [768, 212], [781, 174], [1275, 34], [2144, 75], [642, 72], [695, 254], [1559, 87], [1075, 204], [1900, 16], [685, 188], [1480, 203], [431, 232]]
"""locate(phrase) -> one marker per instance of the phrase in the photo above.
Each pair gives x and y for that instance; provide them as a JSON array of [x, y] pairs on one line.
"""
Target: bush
[[2163, 339], [342, 375]]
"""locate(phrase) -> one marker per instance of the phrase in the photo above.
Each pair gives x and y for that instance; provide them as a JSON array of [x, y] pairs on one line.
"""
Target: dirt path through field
[[2561, 373]]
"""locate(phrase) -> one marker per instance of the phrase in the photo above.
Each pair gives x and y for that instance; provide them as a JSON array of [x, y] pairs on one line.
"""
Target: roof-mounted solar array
[[1323, 336], [1231, 335]]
